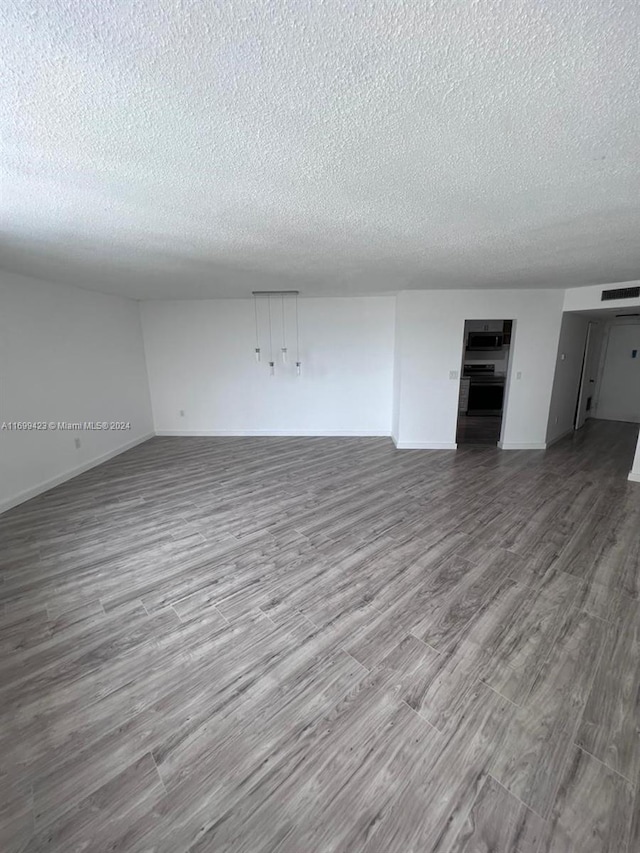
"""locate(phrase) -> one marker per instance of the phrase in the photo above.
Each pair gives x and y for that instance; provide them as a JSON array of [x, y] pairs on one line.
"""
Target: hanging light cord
[[297, 333], [284, 331], [270, 334], [255, 311]]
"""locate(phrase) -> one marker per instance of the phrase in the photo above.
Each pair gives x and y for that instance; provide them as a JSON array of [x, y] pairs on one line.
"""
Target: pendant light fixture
[[284, 350], [255, 311], [272, 366], [298, 362]]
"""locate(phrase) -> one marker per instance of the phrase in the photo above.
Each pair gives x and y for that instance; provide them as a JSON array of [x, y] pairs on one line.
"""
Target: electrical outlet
[[519, 375], [76, 441], [181, 413], [453, 374]]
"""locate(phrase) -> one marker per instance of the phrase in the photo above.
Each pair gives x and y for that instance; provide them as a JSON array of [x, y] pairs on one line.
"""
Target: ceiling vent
[[620, 293]]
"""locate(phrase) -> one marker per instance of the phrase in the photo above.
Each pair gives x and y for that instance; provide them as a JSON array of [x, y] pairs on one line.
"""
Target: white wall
[[566, 381], [589, 298], [431, 327], [66, 355], [397, 379], [200, 360], [634, 474]]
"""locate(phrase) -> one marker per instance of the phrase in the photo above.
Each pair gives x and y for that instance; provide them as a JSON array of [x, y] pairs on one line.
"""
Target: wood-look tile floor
[[313, 645], [478, 429]]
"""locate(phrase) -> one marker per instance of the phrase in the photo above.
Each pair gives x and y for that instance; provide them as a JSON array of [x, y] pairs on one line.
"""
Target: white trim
[[303, 433], [507, 445], [34, 491], [634, 476], [426, 445]]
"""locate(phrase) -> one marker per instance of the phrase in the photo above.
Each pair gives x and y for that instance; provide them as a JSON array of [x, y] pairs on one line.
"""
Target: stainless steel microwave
[[484, 340]]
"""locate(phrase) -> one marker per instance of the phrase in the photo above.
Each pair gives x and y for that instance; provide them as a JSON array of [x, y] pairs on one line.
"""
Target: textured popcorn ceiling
[[173, 148]]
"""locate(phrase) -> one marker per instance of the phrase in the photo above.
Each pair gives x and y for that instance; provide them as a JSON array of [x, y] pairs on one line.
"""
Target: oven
[[486, 390]]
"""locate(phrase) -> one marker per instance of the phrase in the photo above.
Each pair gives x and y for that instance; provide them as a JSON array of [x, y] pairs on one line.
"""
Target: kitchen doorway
[[485, 364]]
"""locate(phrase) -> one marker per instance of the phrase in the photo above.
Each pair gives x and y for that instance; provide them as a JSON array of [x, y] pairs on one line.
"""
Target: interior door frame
[[622, 320], [580, 415]]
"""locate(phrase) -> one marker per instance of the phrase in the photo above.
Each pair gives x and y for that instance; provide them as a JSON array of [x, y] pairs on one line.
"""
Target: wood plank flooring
[[312, 645], [478, 429]]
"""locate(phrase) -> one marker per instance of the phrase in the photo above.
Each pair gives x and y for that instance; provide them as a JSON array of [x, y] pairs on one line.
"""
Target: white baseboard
[[34, 491], [507, 445], [276, 433], [634, 476], [427, 445]]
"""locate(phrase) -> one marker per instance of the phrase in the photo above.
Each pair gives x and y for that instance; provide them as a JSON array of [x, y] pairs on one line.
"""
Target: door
[[619, 396], [585, 381]]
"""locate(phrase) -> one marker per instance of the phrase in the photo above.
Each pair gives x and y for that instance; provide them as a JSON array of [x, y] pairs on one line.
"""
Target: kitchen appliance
[[486, 390], [477, 341]]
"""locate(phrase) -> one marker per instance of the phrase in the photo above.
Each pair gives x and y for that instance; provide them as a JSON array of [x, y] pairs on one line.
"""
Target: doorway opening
[[483, 382], [586, 382], [618, 391], [597, 372]]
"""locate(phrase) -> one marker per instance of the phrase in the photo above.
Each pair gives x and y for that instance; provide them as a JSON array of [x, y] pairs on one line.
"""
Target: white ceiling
[[192, 149]]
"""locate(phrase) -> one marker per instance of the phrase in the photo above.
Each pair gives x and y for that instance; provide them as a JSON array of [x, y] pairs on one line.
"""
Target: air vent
[[620, 293]]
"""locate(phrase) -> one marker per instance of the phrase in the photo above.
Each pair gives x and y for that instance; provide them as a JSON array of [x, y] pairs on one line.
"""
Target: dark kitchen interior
[[485, 363]]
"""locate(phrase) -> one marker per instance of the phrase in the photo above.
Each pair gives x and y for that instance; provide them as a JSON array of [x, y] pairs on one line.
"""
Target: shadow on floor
[[478, 429]]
